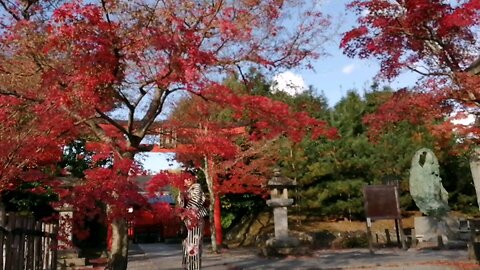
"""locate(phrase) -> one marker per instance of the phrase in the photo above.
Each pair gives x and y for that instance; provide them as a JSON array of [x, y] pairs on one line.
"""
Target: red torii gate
[[169, 142]]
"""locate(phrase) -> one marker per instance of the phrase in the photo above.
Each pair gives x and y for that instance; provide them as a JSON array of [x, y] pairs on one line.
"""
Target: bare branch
[[428, 73], [474, 68], [18, 95], [244, 79], [107, 15], [111, 121], [9, 11], [154, 109]]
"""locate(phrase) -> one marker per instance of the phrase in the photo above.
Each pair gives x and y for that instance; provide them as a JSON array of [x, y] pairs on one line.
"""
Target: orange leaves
[[31, 137], [237, 133], [274, 118], [269, 118]]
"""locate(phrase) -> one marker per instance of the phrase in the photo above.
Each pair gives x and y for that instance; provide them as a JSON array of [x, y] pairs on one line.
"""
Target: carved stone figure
[[426, 185]]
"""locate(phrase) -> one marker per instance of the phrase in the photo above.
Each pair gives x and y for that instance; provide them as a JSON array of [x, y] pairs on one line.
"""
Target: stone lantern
[[282, 243]]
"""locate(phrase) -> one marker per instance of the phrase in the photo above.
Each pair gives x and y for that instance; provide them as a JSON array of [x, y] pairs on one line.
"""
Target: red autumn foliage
[[164, 179], [166, 211], [70, 68], [107, 186], [406, 106], [269, 118], [256, 120], [429, 36], [437, 40]]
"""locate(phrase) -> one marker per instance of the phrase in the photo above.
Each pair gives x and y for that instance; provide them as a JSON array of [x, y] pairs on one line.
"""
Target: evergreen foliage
[[331, 173]]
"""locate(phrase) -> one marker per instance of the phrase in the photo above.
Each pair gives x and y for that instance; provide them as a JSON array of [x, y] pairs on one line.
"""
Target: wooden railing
[[26, 244]]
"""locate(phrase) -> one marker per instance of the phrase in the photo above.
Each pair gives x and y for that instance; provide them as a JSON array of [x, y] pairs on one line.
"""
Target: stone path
[[168, 257]]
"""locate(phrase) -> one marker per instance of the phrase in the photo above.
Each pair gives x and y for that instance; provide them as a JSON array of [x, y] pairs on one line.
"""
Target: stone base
[[69, 259], [474, 251], [439, 232], [284, 246], [67, 253]]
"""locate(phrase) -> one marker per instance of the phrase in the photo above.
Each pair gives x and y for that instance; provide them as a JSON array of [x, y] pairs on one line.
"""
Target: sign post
[[382, 202]]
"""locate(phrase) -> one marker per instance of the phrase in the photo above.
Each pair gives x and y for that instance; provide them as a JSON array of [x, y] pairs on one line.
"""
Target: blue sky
[[155, 162], [335, 74]]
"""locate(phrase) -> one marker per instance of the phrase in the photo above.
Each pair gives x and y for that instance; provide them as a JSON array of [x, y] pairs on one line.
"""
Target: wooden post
[[3, 222], [414, 238], [387, 235], [440, 241], [369, 235], [9, 256], [399, 243], [29, 244], [22, 225], [402, 234], [46, 246], [38, 262], [54, 237]]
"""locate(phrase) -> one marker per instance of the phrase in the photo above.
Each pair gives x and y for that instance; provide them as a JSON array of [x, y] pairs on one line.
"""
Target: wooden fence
[[26, 244]]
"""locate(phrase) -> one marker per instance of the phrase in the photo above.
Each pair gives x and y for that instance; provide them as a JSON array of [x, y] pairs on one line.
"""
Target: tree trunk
[[209, 178], [475, 169], [217, 214], [118, 257]]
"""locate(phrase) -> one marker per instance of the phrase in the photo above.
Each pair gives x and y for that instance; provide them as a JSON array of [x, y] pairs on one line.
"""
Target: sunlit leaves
[[436, 39], [429, 36], [74, 68]]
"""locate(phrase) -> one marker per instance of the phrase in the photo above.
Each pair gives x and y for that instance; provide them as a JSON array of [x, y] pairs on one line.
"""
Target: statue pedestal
[[437, 232], [281, 246], [474, 245], [69, 259]]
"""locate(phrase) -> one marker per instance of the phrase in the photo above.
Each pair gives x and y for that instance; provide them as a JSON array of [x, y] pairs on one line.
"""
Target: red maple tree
[[233, 143], [108, 67], [439, 41], [435, 39]]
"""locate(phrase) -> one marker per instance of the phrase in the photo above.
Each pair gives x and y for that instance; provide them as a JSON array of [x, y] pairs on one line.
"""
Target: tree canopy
[[436, 39], [105, 70]]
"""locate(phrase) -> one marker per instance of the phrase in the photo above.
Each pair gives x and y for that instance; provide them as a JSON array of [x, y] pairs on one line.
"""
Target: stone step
[[71, 262], [78, 267]]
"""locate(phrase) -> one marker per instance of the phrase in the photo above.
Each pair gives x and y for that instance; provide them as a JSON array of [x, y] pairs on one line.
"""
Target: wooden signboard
[[382, 202]]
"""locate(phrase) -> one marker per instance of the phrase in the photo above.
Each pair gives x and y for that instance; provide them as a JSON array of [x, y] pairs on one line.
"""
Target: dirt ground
[[305, 223], [326, 232]]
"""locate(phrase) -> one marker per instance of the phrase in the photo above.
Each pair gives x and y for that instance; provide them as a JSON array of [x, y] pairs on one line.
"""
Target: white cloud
[[348, 69], [462, 119], [289, 82], [365, 13]]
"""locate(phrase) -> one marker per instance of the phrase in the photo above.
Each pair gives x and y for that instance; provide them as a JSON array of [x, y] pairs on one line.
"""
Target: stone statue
[[426, 185]]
